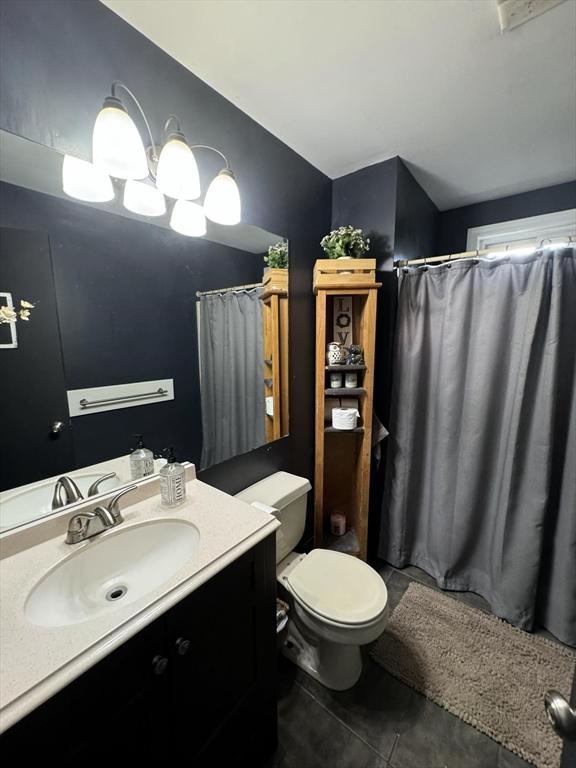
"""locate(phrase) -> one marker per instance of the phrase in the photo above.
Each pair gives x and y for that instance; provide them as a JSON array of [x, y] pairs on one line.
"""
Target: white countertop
[[38, 661]]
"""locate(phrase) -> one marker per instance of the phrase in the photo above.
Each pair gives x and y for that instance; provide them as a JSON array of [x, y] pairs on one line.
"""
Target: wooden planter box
[[275, 280], [345, 273]]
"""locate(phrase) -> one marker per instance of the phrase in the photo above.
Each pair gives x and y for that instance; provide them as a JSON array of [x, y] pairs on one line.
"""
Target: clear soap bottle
[[172, 481], [141, 460]]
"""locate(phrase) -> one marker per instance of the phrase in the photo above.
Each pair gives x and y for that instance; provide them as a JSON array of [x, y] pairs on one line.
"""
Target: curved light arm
[[176, 120], [206, 146], [118, 84]]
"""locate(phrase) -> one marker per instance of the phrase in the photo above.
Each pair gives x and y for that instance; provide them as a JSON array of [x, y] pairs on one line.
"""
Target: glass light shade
[[117, 147], [143, 199], [177, 173], [188, 219], [82, 180], [222, 202]]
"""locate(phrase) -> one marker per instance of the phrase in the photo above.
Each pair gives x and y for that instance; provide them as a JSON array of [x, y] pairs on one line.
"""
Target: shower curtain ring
[[546, 239]]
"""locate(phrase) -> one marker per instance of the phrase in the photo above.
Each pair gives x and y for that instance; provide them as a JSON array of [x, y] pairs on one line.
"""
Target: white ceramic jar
[[351, 380], [334, 353]]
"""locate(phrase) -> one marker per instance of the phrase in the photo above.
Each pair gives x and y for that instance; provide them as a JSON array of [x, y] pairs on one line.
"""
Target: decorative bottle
[[172, 481], [141, 460]]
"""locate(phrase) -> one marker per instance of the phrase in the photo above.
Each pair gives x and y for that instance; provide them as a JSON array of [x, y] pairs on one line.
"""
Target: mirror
[[114, 325]]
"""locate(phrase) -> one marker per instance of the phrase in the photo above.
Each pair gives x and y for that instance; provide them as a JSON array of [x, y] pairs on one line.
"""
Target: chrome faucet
[[67, 492], [93, 490], [85, 525]]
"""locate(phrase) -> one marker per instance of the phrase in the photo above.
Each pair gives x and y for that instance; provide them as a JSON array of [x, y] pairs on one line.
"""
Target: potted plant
[[345, 243], [277, 257], [276, 272]]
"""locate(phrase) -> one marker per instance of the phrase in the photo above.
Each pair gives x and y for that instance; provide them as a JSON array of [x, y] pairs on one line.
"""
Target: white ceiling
[[347, 83]]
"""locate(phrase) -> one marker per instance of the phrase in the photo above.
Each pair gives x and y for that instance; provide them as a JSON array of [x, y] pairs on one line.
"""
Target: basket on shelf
[[275, 280], [344, 273]]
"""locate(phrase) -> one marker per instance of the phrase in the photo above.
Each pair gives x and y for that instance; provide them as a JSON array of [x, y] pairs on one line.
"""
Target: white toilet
[[339, 602]]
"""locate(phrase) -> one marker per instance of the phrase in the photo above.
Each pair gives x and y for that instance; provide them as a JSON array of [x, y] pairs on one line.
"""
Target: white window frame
[[529, 231]]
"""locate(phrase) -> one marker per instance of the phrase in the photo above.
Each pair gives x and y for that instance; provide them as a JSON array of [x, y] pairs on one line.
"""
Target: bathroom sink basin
[[112, 571]]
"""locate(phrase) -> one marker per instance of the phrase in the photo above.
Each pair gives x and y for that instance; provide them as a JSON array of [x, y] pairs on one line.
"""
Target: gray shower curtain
[[231, 347], [481, 474]]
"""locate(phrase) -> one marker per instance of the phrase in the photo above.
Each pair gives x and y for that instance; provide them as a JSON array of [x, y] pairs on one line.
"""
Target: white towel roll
[[344, 418]]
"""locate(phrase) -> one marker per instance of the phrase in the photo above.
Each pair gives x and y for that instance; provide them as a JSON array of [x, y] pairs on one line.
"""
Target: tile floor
[[380, 723]]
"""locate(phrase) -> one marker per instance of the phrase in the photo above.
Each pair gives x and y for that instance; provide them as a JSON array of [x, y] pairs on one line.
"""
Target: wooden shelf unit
[[342, 472]]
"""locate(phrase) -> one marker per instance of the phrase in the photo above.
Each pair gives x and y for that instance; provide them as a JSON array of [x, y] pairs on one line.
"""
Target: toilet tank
[[288, 494]]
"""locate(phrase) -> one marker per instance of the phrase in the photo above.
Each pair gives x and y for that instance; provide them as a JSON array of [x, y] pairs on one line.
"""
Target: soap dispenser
[[172, 481], [141, 460]]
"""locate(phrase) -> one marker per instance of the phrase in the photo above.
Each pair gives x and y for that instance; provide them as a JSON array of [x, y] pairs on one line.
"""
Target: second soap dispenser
[[172, 481], [141, 460]]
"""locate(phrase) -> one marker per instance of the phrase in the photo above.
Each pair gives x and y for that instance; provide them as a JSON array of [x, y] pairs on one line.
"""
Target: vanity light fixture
[[177, 173], [188, 219], [84, 181], [222, 203], [116, 144], [143, 198], [119, 152]]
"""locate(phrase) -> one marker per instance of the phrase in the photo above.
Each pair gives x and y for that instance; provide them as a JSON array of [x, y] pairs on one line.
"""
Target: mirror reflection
[[121, 337]]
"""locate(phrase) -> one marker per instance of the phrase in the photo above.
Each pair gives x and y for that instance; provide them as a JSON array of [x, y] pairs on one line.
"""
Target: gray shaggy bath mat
[[481, 669]]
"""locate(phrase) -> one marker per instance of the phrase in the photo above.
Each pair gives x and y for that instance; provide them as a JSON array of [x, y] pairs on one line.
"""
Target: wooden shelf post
[[275, 365], [342, 471]]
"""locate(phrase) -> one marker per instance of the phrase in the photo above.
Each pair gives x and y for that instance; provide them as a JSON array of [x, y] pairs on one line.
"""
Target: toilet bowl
[[339, 603]]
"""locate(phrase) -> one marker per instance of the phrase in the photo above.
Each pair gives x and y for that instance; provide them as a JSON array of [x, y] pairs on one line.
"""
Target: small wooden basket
[[345, 273], [275, 280]]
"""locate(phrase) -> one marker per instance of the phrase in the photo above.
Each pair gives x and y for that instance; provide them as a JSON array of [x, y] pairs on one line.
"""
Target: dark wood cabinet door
[[213, 653], [125, 697], [115, 711]]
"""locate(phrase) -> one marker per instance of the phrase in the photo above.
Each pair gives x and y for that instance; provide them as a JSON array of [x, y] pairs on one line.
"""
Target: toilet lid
[[339, 587]]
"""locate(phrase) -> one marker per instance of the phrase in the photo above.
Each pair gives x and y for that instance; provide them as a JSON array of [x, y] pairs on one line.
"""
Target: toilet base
[[335, 665]]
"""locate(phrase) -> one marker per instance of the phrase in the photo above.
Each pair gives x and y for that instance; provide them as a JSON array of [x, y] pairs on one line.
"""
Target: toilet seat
[[338, 588]]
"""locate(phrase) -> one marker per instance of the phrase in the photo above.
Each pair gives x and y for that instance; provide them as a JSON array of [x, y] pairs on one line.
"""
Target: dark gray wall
[[58, 58], [416, 218], [453, 225], [367, 199]]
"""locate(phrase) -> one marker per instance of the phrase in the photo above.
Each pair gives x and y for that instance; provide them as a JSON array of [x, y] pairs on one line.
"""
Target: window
[[530, 231]]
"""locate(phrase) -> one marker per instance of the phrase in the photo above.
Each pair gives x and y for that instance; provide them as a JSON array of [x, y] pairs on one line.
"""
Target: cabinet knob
[[182, 646], [159, 664]]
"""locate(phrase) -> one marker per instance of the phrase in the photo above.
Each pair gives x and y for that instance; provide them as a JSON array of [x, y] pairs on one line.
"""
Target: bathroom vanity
[[186, 671]]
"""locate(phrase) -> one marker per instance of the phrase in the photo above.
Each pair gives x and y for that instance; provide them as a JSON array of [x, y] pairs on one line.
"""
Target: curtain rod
[[477, 254], [226, 290]]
